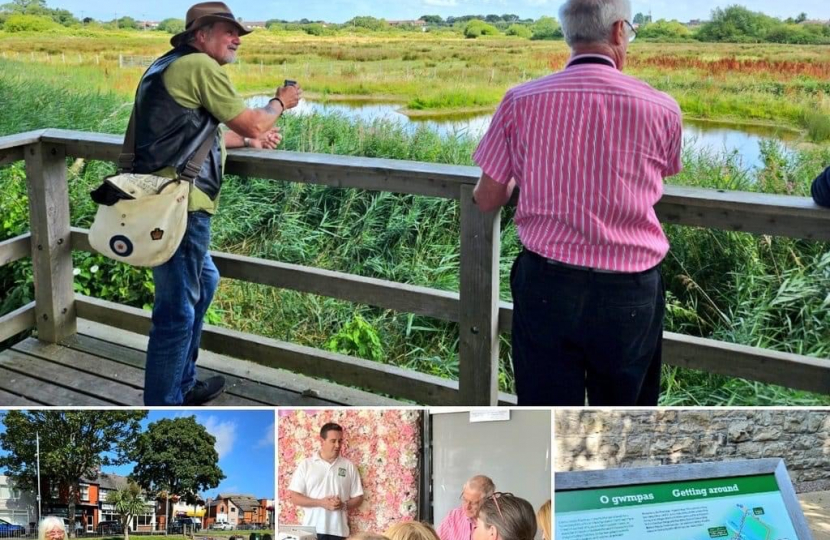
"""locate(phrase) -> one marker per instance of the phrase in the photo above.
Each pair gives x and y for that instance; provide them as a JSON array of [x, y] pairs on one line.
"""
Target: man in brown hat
[[180, 102]]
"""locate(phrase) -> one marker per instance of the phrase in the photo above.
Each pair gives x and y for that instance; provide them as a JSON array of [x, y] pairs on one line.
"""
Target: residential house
[[17, 506], [240, 510], [110, 483], [178, 508]]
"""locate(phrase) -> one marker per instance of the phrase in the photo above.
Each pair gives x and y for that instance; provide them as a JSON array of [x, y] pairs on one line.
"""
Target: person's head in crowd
[[366, 535], [411, 530], [598, 26], [503, 516], [331, 441], [543, 520], [51, 528], [474, 491]]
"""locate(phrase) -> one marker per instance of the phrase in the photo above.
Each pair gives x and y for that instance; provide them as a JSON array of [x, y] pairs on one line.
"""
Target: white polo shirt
[[317, 478]]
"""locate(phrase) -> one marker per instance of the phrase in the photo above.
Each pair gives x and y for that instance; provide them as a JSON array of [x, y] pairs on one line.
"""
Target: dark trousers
[[578, 330]]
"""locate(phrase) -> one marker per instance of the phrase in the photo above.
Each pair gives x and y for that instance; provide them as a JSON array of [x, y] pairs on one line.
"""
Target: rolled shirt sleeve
[[494, 153]]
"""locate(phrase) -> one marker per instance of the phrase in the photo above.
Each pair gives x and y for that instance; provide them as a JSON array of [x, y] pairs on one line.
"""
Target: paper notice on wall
[[747, 508]]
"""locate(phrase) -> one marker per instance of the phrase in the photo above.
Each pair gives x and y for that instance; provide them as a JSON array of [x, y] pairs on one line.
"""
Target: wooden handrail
[[475, 307]]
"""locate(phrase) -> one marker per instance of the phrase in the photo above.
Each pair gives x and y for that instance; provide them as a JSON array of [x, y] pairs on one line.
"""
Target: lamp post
[[37, 454]]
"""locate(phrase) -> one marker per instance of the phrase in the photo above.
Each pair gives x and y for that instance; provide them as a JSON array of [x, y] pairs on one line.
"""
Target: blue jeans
[[184, 289], [576, 330]]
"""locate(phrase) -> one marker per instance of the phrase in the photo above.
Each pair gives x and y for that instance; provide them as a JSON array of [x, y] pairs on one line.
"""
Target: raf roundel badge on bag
[[121, 245], [156, 234]]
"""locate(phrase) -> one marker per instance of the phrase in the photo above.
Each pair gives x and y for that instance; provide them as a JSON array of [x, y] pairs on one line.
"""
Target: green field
[[753, 290]]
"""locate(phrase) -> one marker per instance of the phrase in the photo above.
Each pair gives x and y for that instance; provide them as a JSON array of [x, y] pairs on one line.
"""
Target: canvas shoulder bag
[[146, 218]]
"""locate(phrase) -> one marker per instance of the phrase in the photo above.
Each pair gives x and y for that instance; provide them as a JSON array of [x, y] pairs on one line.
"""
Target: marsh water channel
[[713, 137]]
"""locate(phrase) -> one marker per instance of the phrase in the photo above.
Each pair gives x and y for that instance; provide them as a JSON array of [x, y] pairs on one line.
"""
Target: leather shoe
[[204, 391]]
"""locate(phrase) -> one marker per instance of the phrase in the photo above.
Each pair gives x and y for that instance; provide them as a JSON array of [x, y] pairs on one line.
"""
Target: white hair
[[590, 21], [49, 523]]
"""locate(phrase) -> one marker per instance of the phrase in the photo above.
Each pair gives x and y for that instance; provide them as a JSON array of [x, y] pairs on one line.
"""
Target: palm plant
[[128, 502]]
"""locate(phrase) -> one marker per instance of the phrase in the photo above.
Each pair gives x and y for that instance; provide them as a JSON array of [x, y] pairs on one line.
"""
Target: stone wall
[[588, 440]]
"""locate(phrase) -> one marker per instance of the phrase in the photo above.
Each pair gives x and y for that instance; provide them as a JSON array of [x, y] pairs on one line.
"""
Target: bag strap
[[191, 168]]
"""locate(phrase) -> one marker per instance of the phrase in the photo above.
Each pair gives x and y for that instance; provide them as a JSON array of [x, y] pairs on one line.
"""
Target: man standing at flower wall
[[589, 148], [327, 485]]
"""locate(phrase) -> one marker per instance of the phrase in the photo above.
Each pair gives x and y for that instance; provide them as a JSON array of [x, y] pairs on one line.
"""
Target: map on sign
[[746, 508]]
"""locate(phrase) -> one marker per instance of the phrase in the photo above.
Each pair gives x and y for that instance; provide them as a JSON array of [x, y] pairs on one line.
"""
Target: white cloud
[[267, 440], [225, 433]]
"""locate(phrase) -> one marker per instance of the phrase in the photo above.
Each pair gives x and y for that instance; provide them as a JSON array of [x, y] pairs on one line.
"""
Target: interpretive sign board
[[736, 500]]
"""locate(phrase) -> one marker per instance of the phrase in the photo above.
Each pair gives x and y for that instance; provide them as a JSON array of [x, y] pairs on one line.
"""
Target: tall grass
[[754, 290]]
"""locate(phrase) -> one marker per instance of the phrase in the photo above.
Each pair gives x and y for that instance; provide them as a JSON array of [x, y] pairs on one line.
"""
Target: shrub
[[546, 28], [663, 29], [28, 23], [477, 27], [519, 30]]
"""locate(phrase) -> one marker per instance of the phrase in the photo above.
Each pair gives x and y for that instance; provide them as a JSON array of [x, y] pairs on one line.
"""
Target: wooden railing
[[476, 307]]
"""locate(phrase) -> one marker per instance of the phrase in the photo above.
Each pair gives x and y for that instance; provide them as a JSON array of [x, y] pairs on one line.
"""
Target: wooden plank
[[778, 215], [15, 248], [392, 380], [424, 301], [372, 174], [39, 365], [51, 247], [19, 320], [8, 399], [761, 213], [18, 140], [42, 391], [10, 155], [334, 394], [132, 360], [763, 365], [374, 292], [478, 346], [81, 144]]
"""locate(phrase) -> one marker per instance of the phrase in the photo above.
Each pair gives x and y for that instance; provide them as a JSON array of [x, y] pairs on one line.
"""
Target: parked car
[[110, 526], [11, 530], [79, 529], [221, 526], [185, 524]]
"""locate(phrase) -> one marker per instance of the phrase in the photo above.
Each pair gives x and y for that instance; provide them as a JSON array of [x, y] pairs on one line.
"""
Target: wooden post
[[478, 348], [51, 245]]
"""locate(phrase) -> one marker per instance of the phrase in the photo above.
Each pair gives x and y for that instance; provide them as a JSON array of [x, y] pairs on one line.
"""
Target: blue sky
[[343, 10], [244, 442]]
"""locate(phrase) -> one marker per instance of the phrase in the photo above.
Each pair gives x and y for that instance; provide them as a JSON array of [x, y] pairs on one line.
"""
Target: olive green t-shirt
[[197, 80]]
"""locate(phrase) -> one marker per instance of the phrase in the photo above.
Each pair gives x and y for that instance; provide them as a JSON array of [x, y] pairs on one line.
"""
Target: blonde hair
[[411, 530], [50, 523], [543, 519], [365, 535]]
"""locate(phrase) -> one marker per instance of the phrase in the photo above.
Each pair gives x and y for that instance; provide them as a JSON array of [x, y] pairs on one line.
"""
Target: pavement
[[816, 506]]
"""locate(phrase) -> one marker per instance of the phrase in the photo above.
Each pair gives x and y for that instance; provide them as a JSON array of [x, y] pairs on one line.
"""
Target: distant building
[[17, 506], [179, 509], [419, 23], [250, 25], [240, 510], [150, 25]]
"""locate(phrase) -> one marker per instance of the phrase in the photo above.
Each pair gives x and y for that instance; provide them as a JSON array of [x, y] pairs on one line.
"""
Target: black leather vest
[[167, 134]]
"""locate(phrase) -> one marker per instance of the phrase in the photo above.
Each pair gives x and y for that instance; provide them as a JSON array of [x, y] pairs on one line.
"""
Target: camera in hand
[[289, 82]]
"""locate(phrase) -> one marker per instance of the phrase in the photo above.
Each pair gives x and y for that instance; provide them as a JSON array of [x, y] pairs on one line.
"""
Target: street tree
[[128, 502], [177, 457], [73, 444]]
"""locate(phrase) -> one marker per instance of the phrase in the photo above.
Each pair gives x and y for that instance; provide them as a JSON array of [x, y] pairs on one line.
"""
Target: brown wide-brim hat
[[205, 13]]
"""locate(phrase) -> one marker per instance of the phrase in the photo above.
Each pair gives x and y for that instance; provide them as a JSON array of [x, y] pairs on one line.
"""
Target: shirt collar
[[591, 55]]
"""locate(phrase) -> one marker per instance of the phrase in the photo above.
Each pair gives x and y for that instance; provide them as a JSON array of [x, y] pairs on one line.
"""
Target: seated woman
[[411, 530], [503, 516], [543, 520], [821, 188]]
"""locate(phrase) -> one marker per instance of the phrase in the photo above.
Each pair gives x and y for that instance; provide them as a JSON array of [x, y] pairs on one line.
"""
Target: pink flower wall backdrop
[[384, 445]]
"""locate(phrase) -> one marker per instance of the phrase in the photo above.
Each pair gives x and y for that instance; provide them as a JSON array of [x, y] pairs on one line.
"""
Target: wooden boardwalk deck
[[104, 366]]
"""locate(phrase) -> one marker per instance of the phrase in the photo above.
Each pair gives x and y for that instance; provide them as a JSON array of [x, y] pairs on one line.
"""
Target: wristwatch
[[246, 141]]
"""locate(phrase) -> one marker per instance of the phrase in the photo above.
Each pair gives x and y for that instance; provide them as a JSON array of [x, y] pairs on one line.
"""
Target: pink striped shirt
[[456, 526], [589, 148]]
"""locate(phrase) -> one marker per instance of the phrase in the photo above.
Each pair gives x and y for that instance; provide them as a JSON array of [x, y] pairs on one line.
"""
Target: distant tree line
[[734, 23]]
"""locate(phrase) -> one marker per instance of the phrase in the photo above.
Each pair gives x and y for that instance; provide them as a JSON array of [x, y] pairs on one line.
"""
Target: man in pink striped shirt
[[589, 148], [460, 522]]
